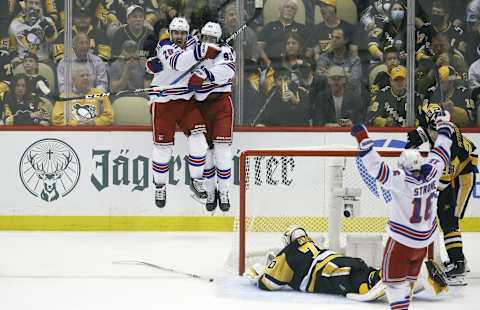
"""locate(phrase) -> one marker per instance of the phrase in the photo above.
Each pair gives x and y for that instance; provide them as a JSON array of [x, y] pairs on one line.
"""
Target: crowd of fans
[[325, 72]]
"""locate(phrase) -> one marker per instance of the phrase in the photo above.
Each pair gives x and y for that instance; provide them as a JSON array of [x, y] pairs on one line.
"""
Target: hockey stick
[[138, 262], [227, 40], [118, 93], [262, 109]]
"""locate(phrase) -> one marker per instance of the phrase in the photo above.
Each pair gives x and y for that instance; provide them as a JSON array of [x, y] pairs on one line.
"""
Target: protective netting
[[284, 190]]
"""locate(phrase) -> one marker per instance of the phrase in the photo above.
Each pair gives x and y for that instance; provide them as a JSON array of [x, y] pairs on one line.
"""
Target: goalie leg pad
[[160, 158]]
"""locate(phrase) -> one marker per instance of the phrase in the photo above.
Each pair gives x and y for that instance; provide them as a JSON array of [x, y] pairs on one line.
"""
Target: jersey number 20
[[417, 208]]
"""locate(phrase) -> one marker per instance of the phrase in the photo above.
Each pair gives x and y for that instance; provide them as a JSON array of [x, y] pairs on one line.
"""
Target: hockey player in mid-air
[[412, 223], [304, 266], [212, 83], [455, 188], [173, 104]]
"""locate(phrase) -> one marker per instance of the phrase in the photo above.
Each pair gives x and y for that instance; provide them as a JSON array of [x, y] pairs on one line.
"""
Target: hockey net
[[311, 188]]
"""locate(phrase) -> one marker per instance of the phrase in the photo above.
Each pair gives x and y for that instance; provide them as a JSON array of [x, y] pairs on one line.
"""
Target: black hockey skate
[[160, 195], [224, 202], [199, 192], [212, 198], [455, 272]]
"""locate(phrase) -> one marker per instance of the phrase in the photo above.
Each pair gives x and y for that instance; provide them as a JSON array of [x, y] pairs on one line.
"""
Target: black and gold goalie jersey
[[463, 159], [305, 267]]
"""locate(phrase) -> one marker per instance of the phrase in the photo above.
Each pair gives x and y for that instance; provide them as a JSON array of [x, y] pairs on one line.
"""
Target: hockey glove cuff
[[209, 50], [195, 82], [153, 65], [360, 132]]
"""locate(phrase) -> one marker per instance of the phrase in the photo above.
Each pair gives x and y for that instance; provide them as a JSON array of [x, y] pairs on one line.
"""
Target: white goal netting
[[311, 188]]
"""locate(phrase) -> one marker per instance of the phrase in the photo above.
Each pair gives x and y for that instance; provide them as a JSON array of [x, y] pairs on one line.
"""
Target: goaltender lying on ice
[[304, 266]]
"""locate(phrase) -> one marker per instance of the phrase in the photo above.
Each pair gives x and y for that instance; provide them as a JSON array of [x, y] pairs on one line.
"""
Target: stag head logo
[[49, 169]]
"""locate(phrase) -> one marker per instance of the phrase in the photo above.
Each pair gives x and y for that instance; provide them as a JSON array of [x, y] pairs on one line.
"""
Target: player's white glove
[[209, 50], [254, 273], [444, 126]]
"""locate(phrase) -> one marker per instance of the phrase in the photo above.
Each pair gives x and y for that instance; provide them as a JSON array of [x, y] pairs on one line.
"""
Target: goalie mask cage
[[307, 187]]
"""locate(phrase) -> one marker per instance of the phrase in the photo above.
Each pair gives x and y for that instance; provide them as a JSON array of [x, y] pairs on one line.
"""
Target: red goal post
[[278, 224]]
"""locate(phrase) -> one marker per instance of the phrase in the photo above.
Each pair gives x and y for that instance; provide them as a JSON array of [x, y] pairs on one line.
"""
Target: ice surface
[[68, 271]]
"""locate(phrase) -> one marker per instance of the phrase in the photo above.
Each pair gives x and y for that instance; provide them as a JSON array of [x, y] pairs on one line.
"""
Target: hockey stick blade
[[138, 262]]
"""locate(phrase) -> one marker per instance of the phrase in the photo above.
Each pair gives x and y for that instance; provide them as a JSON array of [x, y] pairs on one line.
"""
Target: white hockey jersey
[[412, 219], [175, 61], [220, 72]]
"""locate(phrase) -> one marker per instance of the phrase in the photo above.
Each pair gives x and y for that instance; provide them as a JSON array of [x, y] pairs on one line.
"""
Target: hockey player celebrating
[[212, 83], [412, 223], [455, 188], [173, 105]]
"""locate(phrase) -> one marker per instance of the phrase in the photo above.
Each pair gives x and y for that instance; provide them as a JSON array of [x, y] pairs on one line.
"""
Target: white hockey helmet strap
[[179, 24], [410, 160], [212, 29], [292, 233]]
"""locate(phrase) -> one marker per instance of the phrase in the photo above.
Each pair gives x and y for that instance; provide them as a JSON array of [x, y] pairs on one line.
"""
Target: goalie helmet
[[410, 160], [179, 24], [430, 112], [292, 233], [213, 30]]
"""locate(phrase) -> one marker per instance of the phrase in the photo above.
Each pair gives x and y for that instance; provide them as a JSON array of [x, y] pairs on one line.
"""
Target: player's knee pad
[[223, 155], [197, 144], [162, 153]]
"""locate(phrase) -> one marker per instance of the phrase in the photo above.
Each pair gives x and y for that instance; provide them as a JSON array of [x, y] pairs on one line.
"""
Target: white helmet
[[292, 233], [179, 24], [212, 29], [410, 160]]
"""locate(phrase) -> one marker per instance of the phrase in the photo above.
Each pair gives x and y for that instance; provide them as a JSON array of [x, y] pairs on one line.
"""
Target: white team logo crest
[[49, 169], [84, 112]]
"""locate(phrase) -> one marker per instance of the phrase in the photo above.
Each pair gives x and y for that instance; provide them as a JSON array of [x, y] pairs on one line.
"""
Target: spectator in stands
[[473, 40], [134, 30], [337, 106], [441, 23], [49, 8], [271, 40], [250, 48], [394, 33], [128, 71], [82, 22], [291, 56], [5, 70], [340, 55], [36, 83], [285, 104], [82, 54], [84, 111], [22, 107], [31, 32], [454, 96], [388, 107], [382, 79], [152, 14], [96, 9], [430, 59], [319, 37]]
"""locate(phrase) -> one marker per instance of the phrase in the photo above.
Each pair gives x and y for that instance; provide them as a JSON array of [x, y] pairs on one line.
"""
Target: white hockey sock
[[197, 148], [209, 172], [160, 159], [223, 163], [398, 295]]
